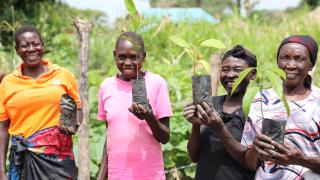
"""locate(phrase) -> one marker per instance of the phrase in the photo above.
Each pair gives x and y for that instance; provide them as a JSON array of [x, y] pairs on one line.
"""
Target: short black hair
[[134, 38], [23, 29]]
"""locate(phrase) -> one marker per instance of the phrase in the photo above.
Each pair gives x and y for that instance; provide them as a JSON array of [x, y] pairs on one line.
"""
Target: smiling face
[[30, 49], [230, 69], [294, 59], [129, 59]]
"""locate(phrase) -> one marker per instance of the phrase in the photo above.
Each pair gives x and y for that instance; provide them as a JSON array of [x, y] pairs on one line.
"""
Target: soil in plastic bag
[[201, 89], [274, 129], [139, 92], [68, 112]]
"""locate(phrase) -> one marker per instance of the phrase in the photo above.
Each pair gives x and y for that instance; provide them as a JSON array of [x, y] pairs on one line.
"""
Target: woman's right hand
[[261, 144], [190, 114]]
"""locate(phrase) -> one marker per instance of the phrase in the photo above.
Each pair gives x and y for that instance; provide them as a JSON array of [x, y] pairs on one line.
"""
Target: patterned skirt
[[47, 154]]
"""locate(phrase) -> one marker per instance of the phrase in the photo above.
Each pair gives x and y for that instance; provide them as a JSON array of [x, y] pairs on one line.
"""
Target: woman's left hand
[[284, 154], [67, 130], [210, 117], [141, 112]]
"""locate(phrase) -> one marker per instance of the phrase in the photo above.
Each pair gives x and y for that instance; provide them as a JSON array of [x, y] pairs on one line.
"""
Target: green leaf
[[205, 65], [279, 72], [213, 43], [242, 75], [180, 42], [248, 98], [131, 8], [286, 105], [276, 82]]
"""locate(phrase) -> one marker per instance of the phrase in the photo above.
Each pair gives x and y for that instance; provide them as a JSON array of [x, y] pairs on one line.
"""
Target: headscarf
[[240, 52], [305, 40]]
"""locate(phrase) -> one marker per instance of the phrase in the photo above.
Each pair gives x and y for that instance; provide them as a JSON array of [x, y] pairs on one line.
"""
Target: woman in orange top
[[34, 101]]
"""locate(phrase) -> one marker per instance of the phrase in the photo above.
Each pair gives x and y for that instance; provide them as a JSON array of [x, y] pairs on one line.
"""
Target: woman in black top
[[216, 133]]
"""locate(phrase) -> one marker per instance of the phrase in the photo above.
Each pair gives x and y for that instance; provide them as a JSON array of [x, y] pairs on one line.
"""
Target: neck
[[232, 102], [296, 93], [34, 72]]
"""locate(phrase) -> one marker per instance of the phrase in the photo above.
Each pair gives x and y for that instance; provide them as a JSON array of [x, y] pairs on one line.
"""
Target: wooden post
[[198, 3], [83, 28], [1, 76], [215, 72]]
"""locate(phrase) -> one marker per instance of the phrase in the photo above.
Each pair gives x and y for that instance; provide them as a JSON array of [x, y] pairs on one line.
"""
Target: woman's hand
[[210, 117], [262, 144], [284, 154], [190, 114], [141, 112], [67, 130]]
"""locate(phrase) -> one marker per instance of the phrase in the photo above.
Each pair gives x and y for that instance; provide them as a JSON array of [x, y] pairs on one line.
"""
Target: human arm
[[103, 169], [160, 128], [4, 140], [195, 137]]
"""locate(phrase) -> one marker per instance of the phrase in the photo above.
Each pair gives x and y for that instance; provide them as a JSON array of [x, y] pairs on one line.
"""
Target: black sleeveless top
[[214, 162]]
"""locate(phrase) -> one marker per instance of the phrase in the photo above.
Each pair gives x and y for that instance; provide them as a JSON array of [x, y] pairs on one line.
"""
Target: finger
[[203, 114], [130, 108], [71, 130], [260, 151], [280, 147], [262, 144], [199, 115], [207, 109], [200, 109], [135, 108], [276, 155], [141, 108], [265, 138], [189, 117], [189, 107], [189, 112]]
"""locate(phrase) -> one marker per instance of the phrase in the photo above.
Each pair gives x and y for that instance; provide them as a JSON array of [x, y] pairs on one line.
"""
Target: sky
[[116, 8]]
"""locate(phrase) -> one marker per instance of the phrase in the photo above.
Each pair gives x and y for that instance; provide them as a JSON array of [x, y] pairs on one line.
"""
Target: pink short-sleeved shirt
[[133, 152]]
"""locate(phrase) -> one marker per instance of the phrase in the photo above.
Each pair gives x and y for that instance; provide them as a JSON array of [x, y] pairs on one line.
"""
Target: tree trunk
[[198, 3], [239, 7], [215, 72], [83, 28]]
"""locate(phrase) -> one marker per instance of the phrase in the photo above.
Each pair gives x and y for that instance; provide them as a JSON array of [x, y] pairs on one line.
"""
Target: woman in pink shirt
[[134, 133]]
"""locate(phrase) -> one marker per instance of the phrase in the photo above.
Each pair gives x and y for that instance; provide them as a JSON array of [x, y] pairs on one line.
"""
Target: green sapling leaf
[[131, 8], [248, 98], [180, 42], [213, 43], [276, 82], [242, 75]]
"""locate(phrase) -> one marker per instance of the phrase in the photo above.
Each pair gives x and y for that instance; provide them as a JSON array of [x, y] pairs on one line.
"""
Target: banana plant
[[267, 77], [193, 50]]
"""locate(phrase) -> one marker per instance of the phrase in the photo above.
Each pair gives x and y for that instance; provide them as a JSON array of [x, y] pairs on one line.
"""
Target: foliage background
[[261, 32]]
